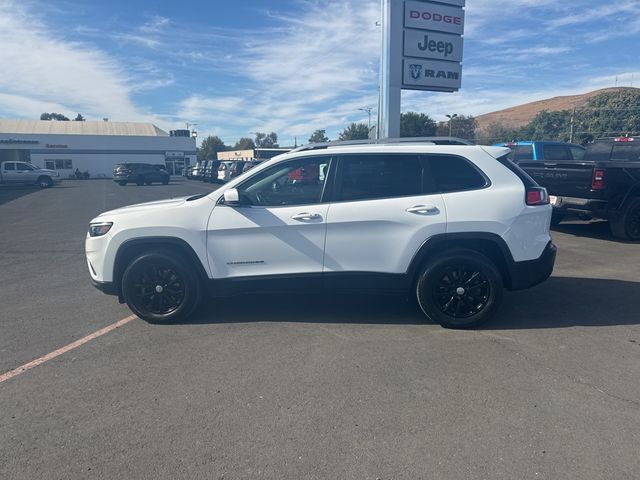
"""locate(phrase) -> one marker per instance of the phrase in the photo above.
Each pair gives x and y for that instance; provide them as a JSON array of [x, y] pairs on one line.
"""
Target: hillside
[[522, 114]]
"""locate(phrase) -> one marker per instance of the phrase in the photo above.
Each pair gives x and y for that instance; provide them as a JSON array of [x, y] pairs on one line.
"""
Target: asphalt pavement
[[314, 387]]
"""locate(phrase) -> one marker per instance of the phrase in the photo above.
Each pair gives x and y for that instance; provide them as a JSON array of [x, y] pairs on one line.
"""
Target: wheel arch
[[131, 248], [490, 245]]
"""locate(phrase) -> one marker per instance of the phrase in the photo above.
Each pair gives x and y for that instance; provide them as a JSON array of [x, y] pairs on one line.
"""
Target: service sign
[[437, 46], [433, 16], [431, 74]]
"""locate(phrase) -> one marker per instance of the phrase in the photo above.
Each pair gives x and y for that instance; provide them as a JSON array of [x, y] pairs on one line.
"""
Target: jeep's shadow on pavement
[[560, 302]]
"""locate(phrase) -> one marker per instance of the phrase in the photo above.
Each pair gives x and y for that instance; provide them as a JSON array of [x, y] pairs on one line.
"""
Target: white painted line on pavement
[[65, 349]]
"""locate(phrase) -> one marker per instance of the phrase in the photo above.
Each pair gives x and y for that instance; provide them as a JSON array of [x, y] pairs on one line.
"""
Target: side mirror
[[232, 197]]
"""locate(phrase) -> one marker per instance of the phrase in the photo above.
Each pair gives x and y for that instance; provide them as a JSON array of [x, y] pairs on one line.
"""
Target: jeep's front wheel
[[459, 289], [161, 287]]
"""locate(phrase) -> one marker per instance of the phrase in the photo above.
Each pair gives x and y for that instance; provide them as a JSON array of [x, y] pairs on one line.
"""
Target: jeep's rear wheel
[[459, 289], [161, 287], [140, 181]]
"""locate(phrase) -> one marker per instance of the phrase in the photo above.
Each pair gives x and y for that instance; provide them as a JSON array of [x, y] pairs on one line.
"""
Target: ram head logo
[[416, 70]]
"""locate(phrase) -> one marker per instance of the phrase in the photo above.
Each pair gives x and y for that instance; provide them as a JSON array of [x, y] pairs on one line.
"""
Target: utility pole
[[451, 117], [368, 110], [573, 118]]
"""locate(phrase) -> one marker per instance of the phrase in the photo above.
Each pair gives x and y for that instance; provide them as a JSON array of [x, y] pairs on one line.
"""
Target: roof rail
[[385, 141]]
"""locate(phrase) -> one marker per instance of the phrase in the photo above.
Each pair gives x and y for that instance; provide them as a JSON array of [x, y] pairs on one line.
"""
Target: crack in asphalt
[[497, 340]]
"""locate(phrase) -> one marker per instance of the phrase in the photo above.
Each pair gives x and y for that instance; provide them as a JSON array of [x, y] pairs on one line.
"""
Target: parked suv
[[140, 174], [449, 225]]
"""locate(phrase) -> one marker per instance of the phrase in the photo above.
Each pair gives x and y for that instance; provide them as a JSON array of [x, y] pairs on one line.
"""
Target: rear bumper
[[532, 272], [584, 206]]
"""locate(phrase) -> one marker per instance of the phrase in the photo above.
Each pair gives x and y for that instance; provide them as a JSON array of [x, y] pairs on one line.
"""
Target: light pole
[[368, 110], [451, 117]]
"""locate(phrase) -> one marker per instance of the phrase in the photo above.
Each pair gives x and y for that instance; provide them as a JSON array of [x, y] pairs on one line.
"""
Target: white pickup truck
[[12, 173]]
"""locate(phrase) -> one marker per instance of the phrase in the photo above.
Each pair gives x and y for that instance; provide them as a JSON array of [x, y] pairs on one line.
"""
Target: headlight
[[99, 229]]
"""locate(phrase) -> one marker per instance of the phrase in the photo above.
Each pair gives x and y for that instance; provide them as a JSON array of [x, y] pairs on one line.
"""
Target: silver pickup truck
[[12, 173]]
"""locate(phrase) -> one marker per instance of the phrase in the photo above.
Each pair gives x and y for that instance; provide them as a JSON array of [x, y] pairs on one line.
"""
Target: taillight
[[537, 196], [623, 139], [597, 180]]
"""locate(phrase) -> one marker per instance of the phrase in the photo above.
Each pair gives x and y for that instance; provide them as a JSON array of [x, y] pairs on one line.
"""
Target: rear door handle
[[302, 217], [424, 209]]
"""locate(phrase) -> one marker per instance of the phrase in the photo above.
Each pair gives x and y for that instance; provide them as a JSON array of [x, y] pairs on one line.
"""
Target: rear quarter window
[[454, 174]]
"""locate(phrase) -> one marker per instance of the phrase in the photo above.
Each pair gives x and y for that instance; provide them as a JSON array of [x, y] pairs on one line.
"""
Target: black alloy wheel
[[633, 224], [627, 225], [459, 288], [461, 291], [161, 287]]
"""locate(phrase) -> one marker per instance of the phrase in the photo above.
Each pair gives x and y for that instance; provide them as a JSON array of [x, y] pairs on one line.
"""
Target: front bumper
[[108, 288], [532, 272]]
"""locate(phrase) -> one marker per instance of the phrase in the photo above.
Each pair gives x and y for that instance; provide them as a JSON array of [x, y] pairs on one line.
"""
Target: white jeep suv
[[451, 224]]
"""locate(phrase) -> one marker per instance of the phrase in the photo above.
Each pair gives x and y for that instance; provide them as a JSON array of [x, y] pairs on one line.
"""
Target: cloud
[[313, 69], [43, 71]]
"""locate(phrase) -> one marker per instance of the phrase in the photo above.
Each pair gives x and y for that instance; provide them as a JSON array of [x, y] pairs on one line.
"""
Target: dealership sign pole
[[421, 50]]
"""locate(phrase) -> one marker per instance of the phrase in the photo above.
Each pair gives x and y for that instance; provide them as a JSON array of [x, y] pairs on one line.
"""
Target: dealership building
[[94, 147]]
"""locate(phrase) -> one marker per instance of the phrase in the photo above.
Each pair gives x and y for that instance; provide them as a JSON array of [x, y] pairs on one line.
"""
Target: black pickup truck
[[605, 184]]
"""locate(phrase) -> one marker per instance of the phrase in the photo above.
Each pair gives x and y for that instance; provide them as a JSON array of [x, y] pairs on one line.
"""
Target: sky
[[290, 66]]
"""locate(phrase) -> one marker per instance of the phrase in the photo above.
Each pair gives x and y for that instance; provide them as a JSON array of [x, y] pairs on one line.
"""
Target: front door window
[[299, 182]]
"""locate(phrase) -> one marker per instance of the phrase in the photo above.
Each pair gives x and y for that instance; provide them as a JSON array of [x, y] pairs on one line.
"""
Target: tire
[[122, 183], [459, 289], [556, 218], [140, 181], [165, 181], [45, 182], [178, 283], [627, 225]]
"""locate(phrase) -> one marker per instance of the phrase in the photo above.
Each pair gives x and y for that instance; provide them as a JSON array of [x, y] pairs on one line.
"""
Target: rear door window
[[10, 166], [453, 174], [556, 152], [577, 153], [370, 176], [522, 153]]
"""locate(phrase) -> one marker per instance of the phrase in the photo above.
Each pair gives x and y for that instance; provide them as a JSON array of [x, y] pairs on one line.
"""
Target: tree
[[79, 118], [244, 144], [319, 136], [355, 131], [209, 147], [414, 124], [496, 133], [54, 116], [461, 126], [266, 141]]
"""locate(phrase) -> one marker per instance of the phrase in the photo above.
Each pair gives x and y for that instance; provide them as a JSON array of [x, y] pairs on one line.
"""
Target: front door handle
[[424, 209], [305, 217]]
